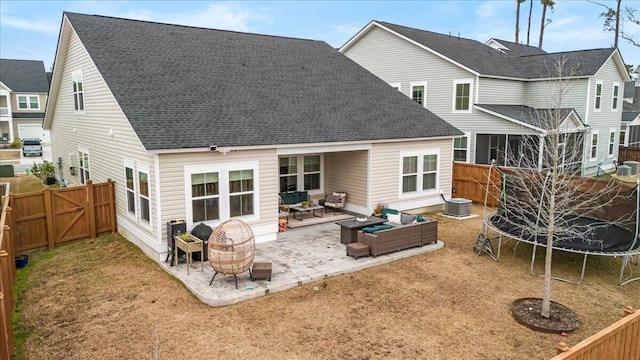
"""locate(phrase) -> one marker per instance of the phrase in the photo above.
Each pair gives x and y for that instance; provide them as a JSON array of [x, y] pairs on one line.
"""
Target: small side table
[[261, 270], [356, 250], [188, 247]]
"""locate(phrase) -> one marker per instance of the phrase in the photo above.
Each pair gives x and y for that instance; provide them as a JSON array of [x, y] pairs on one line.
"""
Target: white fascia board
[[58, 62], [4, 86], [356, 37]]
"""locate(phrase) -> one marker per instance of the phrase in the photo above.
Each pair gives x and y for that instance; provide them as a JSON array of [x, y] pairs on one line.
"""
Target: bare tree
[[518, 2], [529, 24], [542, 194], [543, 19], [633, 17]]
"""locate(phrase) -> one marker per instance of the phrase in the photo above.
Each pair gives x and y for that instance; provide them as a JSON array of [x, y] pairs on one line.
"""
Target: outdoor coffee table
[[349, 228], [311, 209]]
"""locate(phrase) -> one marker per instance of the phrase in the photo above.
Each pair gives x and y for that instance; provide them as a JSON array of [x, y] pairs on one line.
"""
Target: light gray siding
[[499, 91]]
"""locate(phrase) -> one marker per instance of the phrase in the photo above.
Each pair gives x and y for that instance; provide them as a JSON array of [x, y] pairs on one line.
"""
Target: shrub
[[16, 144], [43, 170]]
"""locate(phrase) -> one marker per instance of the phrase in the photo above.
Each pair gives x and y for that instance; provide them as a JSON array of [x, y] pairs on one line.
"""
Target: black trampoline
[[590, 236]]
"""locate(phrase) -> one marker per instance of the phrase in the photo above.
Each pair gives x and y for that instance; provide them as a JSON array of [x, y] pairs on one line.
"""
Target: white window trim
[[73, 93], [424, 95], [300, 174], [81, 167], [595, 97], [419, 191], [28, 96], [143, 168], [453, 98], [223, 178], [396, 85], [137, 168], [591, 145], [453, 147], [614, 97], [611, 144]]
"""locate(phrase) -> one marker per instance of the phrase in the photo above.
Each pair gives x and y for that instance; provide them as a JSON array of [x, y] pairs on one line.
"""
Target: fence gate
[[70, 220]]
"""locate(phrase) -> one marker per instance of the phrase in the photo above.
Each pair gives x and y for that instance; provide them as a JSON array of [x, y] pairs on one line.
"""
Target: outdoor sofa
[[400, 236]]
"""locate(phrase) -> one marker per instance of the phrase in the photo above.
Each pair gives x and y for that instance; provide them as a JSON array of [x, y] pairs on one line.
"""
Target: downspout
[[540, 151]]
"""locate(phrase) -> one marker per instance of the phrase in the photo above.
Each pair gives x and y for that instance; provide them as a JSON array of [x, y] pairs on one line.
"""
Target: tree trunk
[[517, 20], [544, 15], [615, 39], [546, 298], [529, 25]]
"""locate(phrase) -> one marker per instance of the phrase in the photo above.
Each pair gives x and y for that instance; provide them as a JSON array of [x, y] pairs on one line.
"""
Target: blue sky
[[29, 29]]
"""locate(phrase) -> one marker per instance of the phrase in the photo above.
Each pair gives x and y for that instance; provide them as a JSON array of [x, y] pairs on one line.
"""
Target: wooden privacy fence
[[7, 277], [631, 153], [46, 218], [619, 341], [54, 216], [470, 182]]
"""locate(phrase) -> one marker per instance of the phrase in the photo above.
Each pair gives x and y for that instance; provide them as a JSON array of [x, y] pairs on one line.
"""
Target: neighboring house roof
[[521, 63], [515, 49], [187, 87], [539, 118], [24, 75], [627, 106], [628, 116]]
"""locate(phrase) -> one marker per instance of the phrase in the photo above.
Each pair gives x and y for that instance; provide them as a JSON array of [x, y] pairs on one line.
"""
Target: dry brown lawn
[[104, 299]]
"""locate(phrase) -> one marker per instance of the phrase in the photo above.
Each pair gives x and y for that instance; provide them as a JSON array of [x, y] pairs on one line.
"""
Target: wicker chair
[[231, 249], [335, 201]]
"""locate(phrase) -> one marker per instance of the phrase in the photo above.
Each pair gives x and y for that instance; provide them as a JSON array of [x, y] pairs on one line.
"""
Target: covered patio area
[[299, 256]]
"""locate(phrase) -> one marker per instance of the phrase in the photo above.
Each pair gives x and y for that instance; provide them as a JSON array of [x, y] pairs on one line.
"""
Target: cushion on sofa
[[386, 211], [407, 218], [394, 218], [288, 198], [420, 219], [373, 229]]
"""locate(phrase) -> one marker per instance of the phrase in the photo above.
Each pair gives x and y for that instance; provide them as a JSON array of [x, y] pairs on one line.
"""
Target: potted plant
[[45, 171], [377, 211]]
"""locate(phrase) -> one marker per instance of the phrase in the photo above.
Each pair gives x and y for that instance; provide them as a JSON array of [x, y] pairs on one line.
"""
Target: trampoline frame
[[629, 257]]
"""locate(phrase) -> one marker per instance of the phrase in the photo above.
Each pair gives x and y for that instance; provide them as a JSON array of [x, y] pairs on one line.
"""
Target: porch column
[[506, 149], [540, 152]]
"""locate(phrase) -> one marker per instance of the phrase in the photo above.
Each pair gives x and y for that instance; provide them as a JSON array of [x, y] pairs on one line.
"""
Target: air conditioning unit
[[457, 207]]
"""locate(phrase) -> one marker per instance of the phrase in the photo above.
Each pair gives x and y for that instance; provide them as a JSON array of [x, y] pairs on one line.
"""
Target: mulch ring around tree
[[527, 312]]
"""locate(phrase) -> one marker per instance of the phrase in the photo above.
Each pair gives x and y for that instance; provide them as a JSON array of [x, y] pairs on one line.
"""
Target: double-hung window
[[205, 196], [301, 172], [28, 102], [612, 141], [462, 95], [85, 174], [616, 96], [78, 91], [594, 145], [419, 92], [598, 100], [137, 191], [419, 172], [460, 148], [220, 192]]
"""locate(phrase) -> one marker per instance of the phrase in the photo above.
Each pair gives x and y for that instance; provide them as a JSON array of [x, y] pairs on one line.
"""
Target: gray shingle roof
[[186, 87], [540, 118], [629, 89], [516, 49], [629, 115], [488, 61], [24, 75]]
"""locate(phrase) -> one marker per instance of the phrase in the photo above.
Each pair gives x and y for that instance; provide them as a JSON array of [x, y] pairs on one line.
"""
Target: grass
[[10, 154], [93, 296]]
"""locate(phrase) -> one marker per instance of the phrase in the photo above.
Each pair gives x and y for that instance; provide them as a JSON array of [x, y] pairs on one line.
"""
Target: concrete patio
[[299, 256]]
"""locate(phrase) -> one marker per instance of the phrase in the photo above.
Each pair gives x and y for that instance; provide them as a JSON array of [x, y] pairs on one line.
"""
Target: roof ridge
[[191, 26]]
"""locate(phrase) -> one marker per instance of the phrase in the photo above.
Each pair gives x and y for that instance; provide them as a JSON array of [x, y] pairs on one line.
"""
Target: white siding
[[344, 171], [89, 130], [172, 185], [385, 174], [499, 91]]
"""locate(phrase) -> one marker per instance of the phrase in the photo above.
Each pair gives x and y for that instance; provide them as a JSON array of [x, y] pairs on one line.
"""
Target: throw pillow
[[383, 227], [419, 219], [386, 211], [332, 199], [407, 218], [394, 218], [369, 230]]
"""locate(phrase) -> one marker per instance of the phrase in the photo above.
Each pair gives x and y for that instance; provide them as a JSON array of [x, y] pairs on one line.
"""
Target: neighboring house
[[208, 125], [23, 96], [500, 92], [630, 128]]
